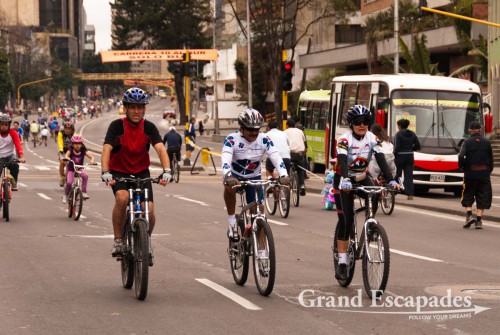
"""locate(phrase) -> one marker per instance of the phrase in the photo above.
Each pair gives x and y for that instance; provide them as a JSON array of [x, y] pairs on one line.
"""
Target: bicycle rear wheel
[[284, 201], [294, 189], [271, 199], [141, 258], [351, 261], [264, 266], [238, 256], [71, 205], [6, 199], [376, 269], [387, 201], [176, 170], [127, 260], [77, 203]]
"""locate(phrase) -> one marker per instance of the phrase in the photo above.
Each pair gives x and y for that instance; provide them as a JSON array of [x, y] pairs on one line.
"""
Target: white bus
[[440, 110]]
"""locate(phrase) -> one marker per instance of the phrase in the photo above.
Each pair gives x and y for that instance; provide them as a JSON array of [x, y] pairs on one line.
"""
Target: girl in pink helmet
[[77, 153]]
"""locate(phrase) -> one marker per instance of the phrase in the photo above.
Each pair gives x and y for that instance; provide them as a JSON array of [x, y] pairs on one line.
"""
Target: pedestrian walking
[[476, 160], [405, 143]]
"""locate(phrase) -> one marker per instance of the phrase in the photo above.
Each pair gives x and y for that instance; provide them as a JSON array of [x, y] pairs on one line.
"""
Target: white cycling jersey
[[359, 152], [243, 159]]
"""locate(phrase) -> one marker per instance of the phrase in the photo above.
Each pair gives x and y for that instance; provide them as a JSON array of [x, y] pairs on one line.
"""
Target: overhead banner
[[150, 55]]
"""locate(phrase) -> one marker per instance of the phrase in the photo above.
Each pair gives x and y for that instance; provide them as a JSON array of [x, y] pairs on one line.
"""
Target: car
[[169, 112]]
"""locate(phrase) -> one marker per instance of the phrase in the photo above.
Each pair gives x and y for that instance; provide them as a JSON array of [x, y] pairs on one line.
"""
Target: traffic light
[[286, 76], [185, 64]]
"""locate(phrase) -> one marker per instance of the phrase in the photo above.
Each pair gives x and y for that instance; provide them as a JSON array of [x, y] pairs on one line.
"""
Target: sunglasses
[[360, 122], [252, 130]]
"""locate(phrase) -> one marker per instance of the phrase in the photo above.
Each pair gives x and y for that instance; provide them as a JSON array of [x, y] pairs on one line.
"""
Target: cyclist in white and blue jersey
[[241, 160]]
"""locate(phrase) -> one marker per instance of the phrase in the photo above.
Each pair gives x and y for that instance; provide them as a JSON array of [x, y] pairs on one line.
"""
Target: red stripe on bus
[[437, 165]]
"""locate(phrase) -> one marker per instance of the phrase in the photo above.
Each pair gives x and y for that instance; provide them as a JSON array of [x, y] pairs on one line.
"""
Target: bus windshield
[[440, 119]]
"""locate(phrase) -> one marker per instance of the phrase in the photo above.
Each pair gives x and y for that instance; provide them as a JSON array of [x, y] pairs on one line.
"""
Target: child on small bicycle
[[77, 153]]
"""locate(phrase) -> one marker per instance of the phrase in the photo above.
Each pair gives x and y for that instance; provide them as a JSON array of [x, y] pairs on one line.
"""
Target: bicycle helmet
[[135, 95], [5, 118], [250, 119], [77, 138], [356, 112]]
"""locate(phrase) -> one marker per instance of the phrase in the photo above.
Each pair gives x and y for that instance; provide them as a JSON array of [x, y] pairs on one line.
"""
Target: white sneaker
[[85, 195], [231, 229], [64, 199]]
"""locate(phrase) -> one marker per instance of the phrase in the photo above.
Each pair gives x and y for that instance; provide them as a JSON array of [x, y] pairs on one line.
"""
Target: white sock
[[343, 258], [231, 218]]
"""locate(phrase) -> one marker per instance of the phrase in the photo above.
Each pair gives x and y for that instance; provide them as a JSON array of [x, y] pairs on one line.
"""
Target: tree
[[275, 27], [6, 87], [63, 75], [480, 54], [163, 24]]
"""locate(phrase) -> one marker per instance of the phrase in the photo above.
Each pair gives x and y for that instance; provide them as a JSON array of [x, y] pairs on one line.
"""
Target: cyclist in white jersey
[[241, 160], [355, 149]]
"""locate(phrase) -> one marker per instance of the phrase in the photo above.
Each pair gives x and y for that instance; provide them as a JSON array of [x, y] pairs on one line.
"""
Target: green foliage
[[63, 75], [418, 58], [480, 53], [463, 27], [5, 80], [321, 81], [163, 24]]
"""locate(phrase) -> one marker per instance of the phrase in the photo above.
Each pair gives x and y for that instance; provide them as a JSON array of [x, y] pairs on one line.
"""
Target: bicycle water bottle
[[137, 207]]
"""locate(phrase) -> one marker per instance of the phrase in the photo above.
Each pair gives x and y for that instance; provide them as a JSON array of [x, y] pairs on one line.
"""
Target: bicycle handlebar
[[257, 183], [138, 181], [15, 160], [76, 166]]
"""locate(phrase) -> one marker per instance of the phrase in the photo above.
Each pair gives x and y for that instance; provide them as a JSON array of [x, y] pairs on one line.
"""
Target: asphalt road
[[58, 276]]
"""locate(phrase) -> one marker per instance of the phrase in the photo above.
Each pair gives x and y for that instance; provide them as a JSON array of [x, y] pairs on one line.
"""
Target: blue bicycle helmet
[[135, 95], [356, 112]]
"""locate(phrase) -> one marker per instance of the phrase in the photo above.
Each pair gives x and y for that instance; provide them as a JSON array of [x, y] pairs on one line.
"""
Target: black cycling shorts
[[478, 190], [125, 186]]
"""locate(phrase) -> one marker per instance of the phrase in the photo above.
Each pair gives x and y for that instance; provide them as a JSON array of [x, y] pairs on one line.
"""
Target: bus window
[[323, 116], [308, 116], [315, 115], [348, 100], [363, 97]]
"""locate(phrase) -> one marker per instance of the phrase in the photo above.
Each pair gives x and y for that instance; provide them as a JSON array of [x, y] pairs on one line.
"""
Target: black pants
[[404, 164], [171, 151], [345, 206], [13, 167], [298, 160]]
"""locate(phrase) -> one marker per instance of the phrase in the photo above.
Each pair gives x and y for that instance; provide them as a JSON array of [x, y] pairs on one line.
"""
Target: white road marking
[[108, 236], [277, 222], [442, 216], [42, 168], [229, 294], [191, 200], [408, 254], [44, 196], [21, 184]]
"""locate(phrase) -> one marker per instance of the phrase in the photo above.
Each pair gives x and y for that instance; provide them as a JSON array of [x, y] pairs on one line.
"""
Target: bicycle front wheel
[[77, 203], [141, 258], [127, 261], [376, 261], [270, 196], [284, 201], [387, 201], [5, 199], [238, 256], [177, 171], [264, 258], [294, 189]]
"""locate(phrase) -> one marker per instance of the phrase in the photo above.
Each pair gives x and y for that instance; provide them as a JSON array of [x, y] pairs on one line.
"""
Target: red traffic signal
[[286, 76]]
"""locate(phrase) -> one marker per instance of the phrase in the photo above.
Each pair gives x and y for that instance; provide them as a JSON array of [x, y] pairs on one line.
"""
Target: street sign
[[210, 98], [152, 55]]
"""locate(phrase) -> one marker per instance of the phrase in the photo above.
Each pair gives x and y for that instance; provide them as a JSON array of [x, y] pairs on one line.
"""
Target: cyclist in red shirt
[[125, 153]]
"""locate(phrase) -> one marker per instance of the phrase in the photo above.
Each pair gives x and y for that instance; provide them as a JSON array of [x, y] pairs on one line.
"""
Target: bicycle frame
[[369, 218]]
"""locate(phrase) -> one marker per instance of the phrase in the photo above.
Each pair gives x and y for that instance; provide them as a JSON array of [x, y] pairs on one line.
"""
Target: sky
[[99, 14]]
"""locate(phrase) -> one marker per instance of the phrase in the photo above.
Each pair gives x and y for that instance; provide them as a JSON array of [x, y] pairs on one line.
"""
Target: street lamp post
[[249, 48], [396, 36]]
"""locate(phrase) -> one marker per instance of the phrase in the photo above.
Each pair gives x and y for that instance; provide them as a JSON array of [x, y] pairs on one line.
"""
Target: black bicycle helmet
[[5, 118], [135, 95], [356, 112], [250, 119]]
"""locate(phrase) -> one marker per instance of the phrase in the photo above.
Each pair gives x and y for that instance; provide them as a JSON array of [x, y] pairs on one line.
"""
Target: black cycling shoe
[[302, 191], [341, 272], [479, 224]]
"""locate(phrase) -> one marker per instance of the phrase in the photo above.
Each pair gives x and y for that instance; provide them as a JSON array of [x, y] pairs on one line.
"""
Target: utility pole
[[249, 52], [396, 36]]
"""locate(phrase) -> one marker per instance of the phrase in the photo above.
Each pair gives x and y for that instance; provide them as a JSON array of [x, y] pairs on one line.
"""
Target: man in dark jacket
[[405, 143], [476, 160], [173, 142]]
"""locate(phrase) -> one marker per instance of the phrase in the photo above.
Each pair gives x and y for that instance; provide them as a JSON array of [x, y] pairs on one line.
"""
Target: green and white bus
[[313, 111]]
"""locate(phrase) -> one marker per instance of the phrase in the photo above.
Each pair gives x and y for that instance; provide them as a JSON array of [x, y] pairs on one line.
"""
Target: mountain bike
[[6, 195], [277, 196], [137, 254], [75, 198], [253, 237], [372, 247], [294, 185], [176, 169]]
